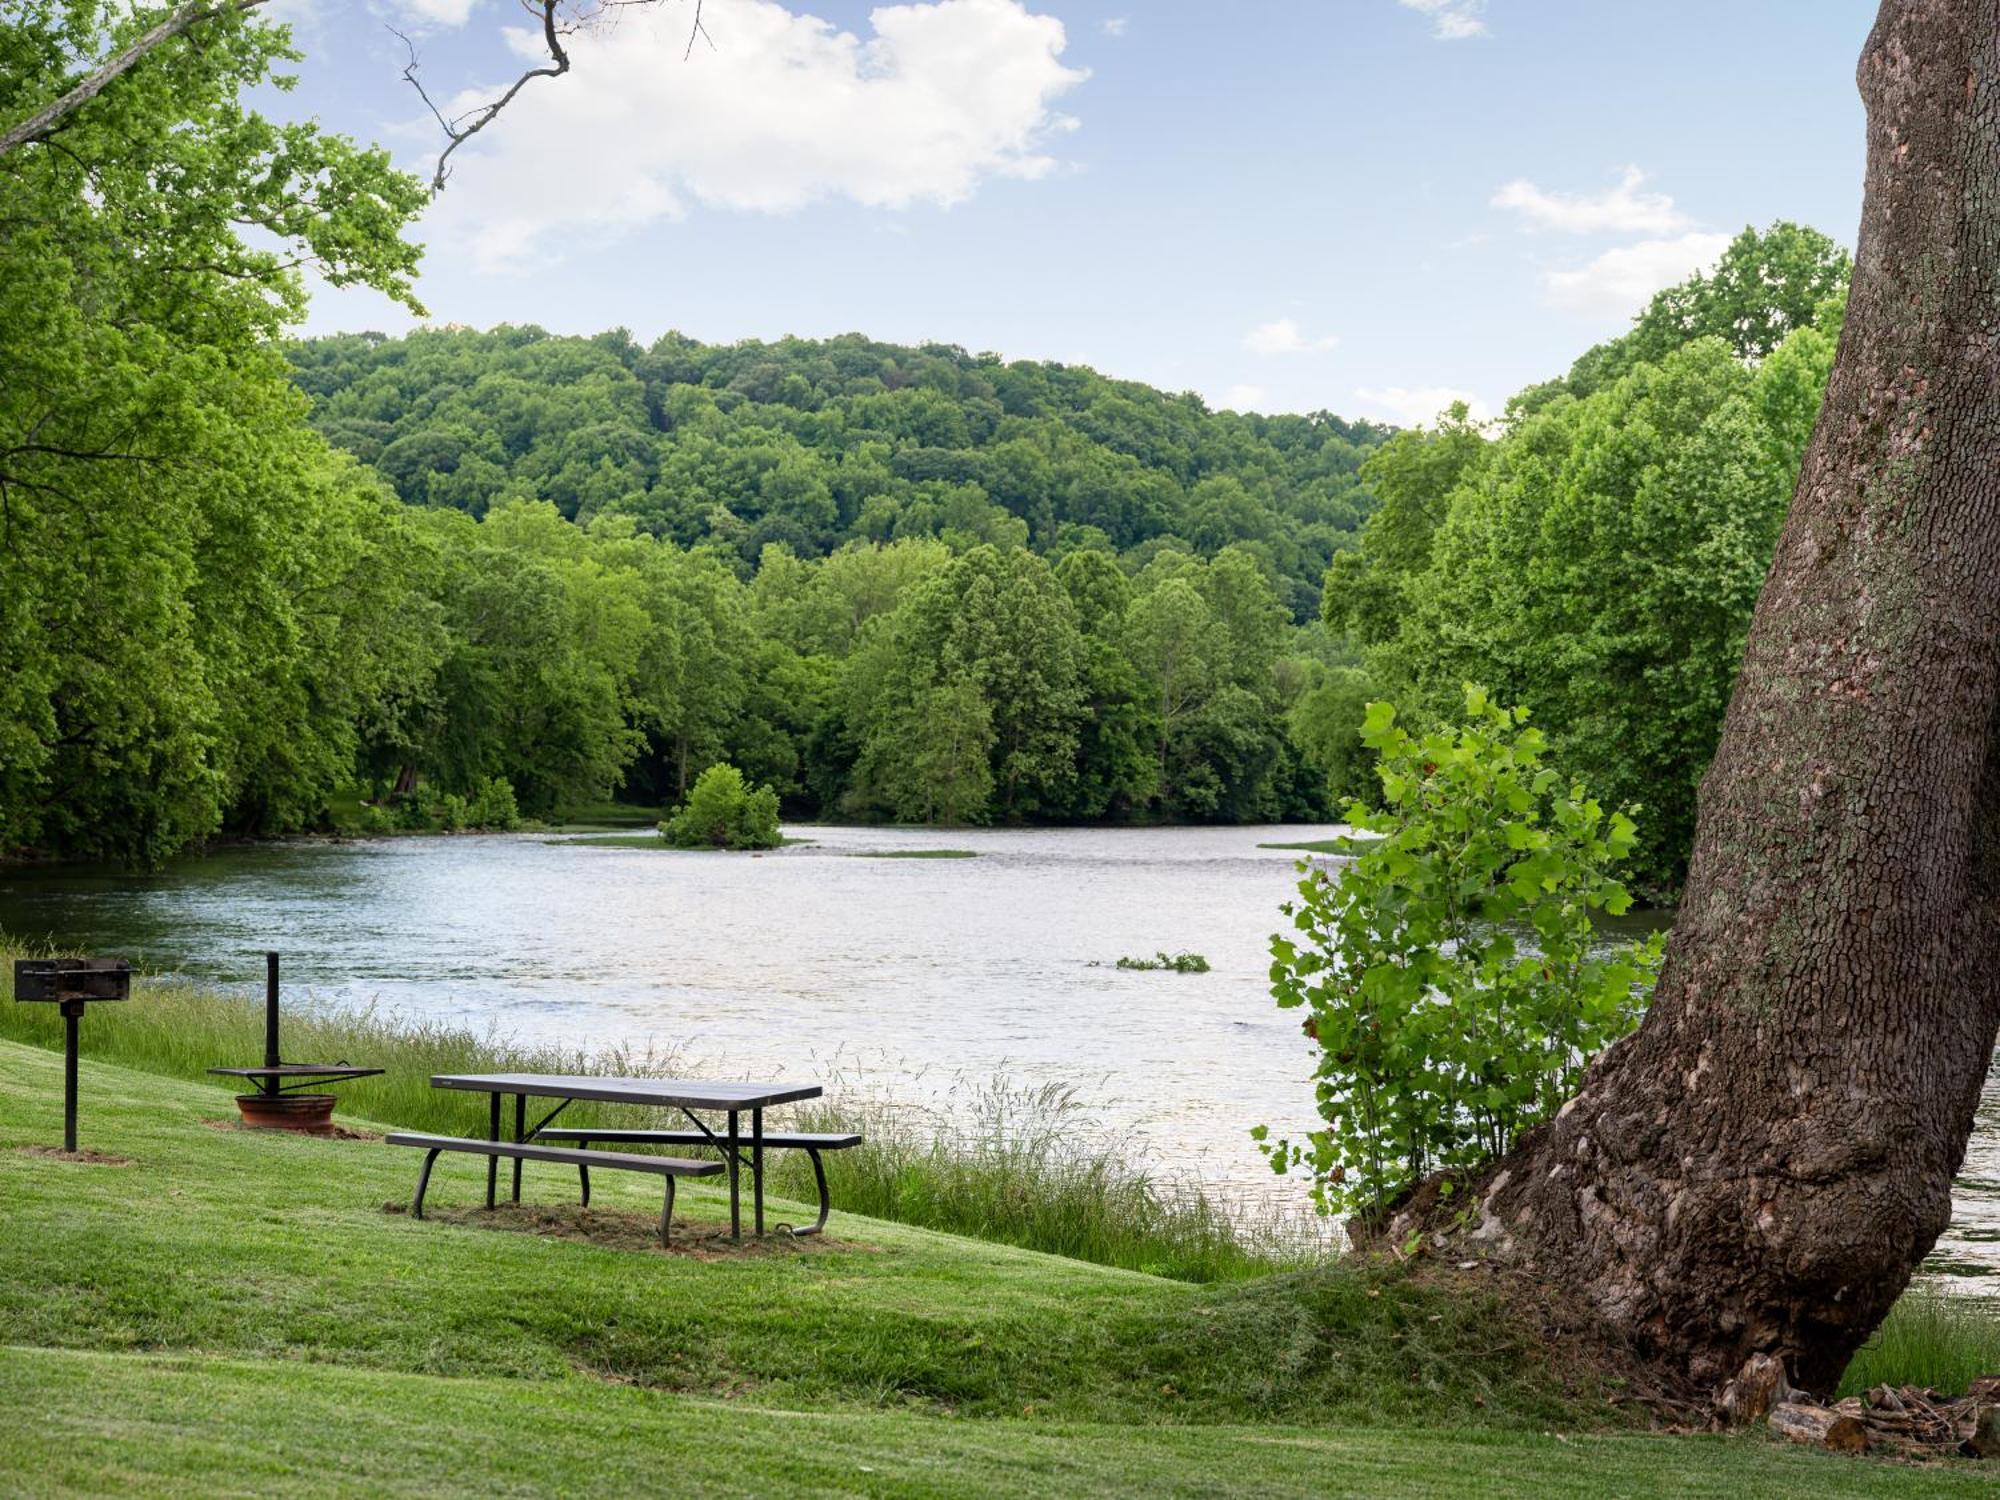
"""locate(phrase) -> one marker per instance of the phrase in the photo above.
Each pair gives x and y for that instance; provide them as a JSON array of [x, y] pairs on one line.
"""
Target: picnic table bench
[[668, 1167], [733, 1100], [812, 1142]]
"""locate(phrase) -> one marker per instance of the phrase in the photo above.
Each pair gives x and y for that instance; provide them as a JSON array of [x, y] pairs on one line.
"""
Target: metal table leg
[[757, 1166], [520, 1134], [492, 1134], [735, 1169]]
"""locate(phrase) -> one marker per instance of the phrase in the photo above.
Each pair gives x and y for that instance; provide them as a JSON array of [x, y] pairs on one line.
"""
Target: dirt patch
[[619, 1230], [85, 1157], [337, 1133]]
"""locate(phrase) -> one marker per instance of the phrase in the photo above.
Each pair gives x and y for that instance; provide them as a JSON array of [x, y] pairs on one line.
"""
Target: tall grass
[[1018, 1165], [1031, 1166], [1929, 1339]]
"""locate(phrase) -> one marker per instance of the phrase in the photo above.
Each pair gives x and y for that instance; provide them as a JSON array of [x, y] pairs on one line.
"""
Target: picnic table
[[691, 1097]]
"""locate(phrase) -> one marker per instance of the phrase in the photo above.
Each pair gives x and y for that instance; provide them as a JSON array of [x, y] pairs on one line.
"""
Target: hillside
[[813, 443]]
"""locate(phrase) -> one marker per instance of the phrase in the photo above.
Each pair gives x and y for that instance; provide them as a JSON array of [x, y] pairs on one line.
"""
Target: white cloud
[[303, 16], [436, 12], [785, 111], [1243, 397], [1410, 407], [1282, 336], [1619, 210], [1115, 25], [1452, 20], [1621, 280]]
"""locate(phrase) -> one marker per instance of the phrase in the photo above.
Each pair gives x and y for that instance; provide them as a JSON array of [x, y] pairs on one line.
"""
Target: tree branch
[[458, 129], [50, 117]]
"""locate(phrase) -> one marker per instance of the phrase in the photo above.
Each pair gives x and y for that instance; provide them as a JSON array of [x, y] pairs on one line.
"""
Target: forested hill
[[814, 443]]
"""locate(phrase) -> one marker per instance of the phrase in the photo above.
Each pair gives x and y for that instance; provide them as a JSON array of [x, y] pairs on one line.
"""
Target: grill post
[[272, 1058], [72, 1012], [70, 984]]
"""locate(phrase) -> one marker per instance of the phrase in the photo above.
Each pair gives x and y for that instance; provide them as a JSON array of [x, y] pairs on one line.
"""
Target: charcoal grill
[[71, 983], [288, 1095]]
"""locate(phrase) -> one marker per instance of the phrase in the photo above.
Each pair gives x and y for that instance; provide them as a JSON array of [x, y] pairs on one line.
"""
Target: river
[[916, 980]]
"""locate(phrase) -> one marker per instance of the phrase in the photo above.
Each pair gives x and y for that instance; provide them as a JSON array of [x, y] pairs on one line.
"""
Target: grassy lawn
[[237, 1311], [97, 1424]]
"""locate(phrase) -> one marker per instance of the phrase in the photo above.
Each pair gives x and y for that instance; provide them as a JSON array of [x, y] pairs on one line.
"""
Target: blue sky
[[1286, 205]]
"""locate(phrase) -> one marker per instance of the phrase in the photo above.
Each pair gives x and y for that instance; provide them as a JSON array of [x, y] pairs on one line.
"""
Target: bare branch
[[48, 119], [458, 129], [458, 133]]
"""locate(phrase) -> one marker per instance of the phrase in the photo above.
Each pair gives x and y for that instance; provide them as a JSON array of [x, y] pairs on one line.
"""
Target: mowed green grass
[[237, 1312], [95, 1424]]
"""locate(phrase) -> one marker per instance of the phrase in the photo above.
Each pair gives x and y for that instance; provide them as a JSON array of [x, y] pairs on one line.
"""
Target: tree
[[1325, 724], [1604, 570], [1765, 287], [547, 636], [1759, 1168], [1414, 476], [724, 811], [1003, 623], [944, 773], [1441, 1036], [1172, 641], [194, 586]]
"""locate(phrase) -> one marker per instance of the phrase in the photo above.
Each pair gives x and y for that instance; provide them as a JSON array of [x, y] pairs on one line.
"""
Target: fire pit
[[71, 983], [282, 1100]]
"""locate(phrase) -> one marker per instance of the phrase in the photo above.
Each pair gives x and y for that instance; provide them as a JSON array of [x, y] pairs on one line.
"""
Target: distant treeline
[[816, 444]]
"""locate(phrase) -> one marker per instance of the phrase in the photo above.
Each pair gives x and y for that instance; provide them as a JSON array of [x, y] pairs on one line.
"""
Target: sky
[[1370, 207]]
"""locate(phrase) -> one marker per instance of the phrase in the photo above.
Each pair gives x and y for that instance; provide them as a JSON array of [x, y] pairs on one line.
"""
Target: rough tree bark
[[1760, 1167]]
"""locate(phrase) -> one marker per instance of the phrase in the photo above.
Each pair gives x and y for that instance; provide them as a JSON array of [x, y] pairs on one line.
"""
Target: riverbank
[[230, 1310], [1018, 1165]]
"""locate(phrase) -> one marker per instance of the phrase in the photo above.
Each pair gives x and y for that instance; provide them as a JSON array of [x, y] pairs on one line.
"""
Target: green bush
[[492, 805], [372, 819], [725, 812], [1451, 973]]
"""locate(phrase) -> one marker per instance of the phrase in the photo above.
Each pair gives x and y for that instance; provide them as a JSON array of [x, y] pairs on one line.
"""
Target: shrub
[[372, 819], [725, 812], [492, 804], [1442, 1033]]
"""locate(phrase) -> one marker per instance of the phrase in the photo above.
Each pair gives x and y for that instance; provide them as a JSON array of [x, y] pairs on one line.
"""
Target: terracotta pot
[[310, 1114]]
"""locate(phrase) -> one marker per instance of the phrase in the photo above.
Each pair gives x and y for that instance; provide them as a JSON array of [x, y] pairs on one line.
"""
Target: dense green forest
[[888, 582], [817, 444], [456, 576]]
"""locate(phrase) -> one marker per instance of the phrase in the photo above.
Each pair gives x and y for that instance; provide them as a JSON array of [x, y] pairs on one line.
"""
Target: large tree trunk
[[1761, 1166]]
